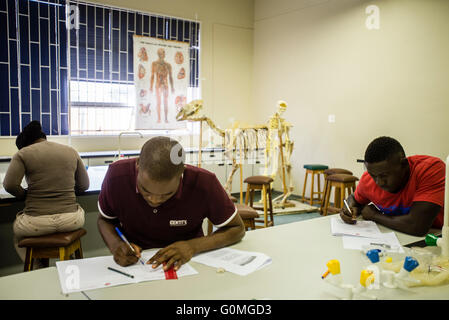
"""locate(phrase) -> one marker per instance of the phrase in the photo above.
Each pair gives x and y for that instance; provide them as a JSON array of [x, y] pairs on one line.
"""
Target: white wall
[[320, 58]]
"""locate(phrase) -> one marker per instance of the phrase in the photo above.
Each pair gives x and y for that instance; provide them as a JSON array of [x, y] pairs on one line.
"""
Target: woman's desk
[[299, 251], [96, 176]]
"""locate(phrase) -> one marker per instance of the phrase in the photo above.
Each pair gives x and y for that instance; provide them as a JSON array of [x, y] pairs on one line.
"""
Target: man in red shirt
[[399, 192], [159, 202]]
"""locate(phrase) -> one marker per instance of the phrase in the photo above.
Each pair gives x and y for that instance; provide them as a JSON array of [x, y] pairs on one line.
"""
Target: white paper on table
[[93, 273], [358, 243], [367, 229], [235, 261], [96, 177], [6, 195]]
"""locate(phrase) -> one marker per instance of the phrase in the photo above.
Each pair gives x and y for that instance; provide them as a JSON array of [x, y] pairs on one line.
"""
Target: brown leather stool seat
[[56, 245], [258, 180], [248, 215], [330, 171], [233, 199], [61, 239], [342, 183], [341, 177], [261, 183]]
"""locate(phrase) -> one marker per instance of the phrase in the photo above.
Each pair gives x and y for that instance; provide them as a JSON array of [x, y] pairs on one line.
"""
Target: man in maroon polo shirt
[[159, 202]]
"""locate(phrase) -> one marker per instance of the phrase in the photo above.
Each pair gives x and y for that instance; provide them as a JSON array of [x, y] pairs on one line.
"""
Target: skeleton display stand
[[240, 140]]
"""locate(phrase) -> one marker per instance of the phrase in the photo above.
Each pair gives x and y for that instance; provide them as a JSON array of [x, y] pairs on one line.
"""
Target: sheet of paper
[[93, 273], [3, 193], [235, 261], [96, 177], [387, 241], [367, 229]]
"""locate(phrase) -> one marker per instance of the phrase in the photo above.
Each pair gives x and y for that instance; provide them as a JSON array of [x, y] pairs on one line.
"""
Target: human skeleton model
[[238, 138], [276, 148]]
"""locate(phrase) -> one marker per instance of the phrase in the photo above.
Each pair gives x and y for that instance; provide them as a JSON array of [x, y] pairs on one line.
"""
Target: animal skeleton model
[[248, 138]]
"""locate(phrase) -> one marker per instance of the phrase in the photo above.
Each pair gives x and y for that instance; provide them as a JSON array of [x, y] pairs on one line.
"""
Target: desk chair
[[261, 183], [341, 182], [56, 245], [314, 170]]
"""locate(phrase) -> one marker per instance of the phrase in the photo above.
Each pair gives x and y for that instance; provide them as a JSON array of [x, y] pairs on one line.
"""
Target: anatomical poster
[[161, 76]]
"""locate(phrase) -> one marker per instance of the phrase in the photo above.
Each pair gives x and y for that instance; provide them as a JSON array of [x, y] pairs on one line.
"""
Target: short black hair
[[383, 148], [29, 135], [162, 158]]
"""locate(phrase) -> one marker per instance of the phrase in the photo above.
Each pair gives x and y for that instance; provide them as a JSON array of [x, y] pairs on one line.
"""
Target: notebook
[[93, 273]]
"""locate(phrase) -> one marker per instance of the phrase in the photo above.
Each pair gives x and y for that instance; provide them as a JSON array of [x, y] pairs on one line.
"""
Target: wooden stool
[[248, 215], [56, 245], [328, 172], [313, 169], [341, 182], [261, 183]]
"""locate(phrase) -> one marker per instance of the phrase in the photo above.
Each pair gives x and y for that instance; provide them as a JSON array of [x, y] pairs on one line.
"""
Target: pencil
[[349, 209], [124, 273]]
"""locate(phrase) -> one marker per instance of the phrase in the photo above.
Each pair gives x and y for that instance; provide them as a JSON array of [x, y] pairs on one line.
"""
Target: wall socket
[[331, 118]]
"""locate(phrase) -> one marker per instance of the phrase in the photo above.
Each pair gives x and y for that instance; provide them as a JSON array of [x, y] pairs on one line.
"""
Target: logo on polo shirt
[[178, 223]]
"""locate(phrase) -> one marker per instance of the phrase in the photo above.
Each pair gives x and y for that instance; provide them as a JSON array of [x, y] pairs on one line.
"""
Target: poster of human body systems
[[161, 76]]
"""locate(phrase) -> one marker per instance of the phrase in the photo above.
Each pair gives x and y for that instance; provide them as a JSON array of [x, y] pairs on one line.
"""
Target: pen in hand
[[349, 209], [122, 236]]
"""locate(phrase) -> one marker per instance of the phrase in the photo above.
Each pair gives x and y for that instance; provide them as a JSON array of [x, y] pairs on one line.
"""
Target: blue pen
[[121, 235]]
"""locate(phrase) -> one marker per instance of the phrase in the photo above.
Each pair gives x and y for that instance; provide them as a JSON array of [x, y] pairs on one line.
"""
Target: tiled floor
[[289, 218]]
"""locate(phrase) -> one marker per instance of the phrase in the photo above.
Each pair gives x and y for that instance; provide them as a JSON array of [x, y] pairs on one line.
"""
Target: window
[[102, 96], [33, 66], [77, 80]]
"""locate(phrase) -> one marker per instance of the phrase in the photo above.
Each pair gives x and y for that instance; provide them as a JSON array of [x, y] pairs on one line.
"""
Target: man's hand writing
[[124, 256], [347, 217]]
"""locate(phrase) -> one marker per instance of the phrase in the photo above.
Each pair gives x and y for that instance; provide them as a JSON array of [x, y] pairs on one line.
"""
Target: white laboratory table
[[40, 284], [299, 252]]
